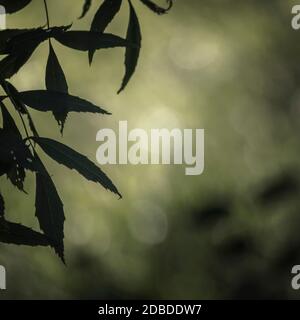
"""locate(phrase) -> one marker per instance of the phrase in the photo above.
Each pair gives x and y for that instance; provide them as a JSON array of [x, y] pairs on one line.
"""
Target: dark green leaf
[[12, 63], [7, 34], [14, 150], [155, 8], [103, 17], [14, 233], [49, 209], [8, 121], [86, 8], [56, 81], [12, 6], [13, 94], [16, 174], [24, 39], [55, 77], [88, 40], [20, 48], [74, 160], [44, 100], [132, 53], [2, 206]]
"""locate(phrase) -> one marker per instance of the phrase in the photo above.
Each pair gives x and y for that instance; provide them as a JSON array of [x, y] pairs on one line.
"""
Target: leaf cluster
[[19, 154]]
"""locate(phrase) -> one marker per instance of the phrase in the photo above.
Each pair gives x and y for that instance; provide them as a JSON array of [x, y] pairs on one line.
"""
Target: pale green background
[[230, 67]]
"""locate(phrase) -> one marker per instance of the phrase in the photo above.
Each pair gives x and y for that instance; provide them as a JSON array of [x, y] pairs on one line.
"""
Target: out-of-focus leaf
[[2, 206], [103, 17], [44, 100], [12, 6], [157, 9], [132, 53], [74, 160], [211, 213], [86, 8], [49, 209], [279, 188], [89, 41], [14, 233], [56, 81]]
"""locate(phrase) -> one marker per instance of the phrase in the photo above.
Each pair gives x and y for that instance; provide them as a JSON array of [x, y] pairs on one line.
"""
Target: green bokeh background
[[231, 67]]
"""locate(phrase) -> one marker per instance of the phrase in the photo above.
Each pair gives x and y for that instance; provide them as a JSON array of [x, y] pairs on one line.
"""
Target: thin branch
[[47, 14]]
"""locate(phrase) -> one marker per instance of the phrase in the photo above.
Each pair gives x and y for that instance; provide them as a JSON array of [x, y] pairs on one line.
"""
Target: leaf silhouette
[[74, 160], [14, 150], [49, 209], [7, 34], [44, 100], [89, 41], [4, 167], [2, 206], [12, 63], [13, 94], [55, 77], [157, 9], [12, 6], [103, 17], [21, 46], [14, 233], [132, 53], [8, 121], [86, 8], [56, 81], [25, 38], [15, 173]]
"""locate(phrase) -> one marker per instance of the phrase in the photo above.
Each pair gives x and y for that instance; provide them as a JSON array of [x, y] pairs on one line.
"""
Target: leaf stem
[[47, 13]]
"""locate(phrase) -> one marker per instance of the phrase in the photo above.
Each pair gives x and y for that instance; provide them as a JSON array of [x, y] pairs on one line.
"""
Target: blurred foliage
[[231, 67]]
